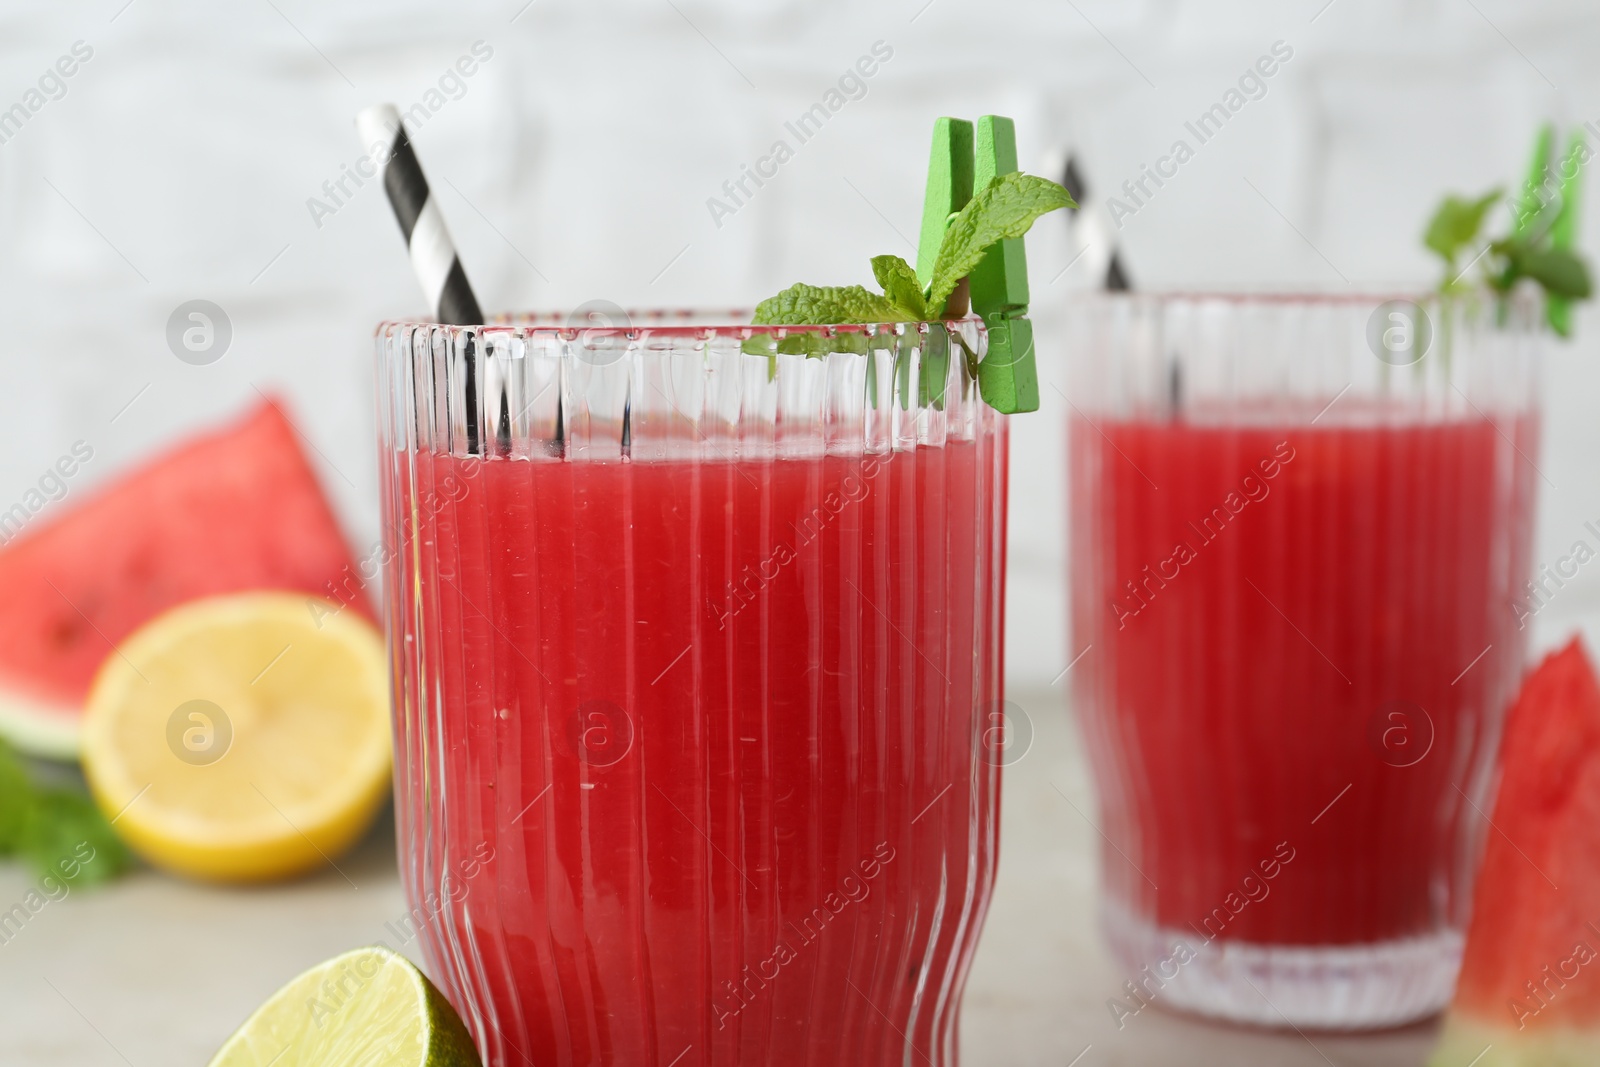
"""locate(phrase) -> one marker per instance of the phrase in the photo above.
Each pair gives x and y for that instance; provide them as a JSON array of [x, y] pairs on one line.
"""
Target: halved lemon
[[242, 737], [369, 1006]]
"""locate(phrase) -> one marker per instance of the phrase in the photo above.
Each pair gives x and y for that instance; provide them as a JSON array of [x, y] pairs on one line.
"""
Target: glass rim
[[676, 324], [1307, 298]]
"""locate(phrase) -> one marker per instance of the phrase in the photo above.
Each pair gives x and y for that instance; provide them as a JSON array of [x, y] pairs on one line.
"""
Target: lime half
[[367, 1008]]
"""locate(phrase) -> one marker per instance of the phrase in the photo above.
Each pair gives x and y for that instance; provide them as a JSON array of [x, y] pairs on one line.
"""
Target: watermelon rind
[[1466, 1044], [230, 509], [49, 731]]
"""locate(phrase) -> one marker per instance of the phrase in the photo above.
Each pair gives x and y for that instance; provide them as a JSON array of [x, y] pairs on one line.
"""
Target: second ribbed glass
[[696, 643], [1300, 536]]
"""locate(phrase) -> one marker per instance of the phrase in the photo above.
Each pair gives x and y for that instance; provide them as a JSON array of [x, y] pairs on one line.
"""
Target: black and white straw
[[1094, 239], [433, 256]]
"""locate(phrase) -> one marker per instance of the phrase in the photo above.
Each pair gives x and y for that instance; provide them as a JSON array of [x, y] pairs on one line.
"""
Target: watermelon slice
[[1529, 992], [233, 510]]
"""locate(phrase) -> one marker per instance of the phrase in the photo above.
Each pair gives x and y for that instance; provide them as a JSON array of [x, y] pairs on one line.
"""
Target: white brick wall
[[578, 163]]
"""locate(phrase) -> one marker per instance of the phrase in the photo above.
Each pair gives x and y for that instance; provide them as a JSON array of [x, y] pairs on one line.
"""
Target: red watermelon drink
[[696, 651], [1299, 576]]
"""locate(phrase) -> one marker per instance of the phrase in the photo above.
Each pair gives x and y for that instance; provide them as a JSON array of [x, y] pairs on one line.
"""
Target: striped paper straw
[[1094, 237], [433, 256]]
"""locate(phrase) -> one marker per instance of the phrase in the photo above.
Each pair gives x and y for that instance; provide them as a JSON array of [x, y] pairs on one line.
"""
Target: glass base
[[1332, 987]]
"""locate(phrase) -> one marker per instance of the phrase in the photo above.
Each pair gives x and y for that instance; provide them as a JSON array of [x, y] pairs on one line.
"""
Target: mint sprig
[[1455, 225], [16, 795], [1003, 209], [900, 286], [1455, 229], [1560, 272], [803, 304], [1538, 249], [57, 830], [68, 838]]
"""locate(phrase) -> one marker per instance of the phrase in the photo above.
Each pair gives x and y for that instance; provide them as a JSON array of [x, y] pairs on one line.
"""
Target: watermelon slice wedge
[[233, 510], [1529, 992]]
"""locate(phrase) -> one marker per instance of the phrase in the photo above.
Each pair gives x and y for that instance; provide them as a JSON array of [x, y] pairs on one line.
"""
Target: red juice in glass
[[690, 728], [1303, 639]]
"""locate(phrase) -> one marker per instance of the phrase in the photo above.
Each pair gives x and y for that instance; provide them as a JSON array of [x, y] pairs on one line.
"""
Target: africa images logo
[[852, 85], [854, 888]]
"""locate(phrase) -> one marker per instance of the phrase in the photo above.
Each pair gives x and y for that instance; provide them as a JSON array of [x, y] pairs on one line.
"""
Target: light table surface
[[154, 972]]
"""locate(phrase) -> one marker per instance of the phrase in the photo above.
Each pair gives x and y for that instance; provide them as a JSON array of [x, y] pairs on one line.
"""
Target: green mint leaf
[[59, 831], [67, 838], [1558, 313], [1540, 246], [16, 800], [809, 344], [1005, 208], [809, 305], [1456, 223], [759, 344], [803, 344], [1502, 271], [900, 285], [1561, 272]]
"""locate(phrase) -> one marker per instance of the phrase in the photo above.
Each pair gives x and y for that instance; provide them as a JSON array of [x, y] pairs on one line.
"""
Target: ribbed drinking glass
[[1300, 535], [695, 634]]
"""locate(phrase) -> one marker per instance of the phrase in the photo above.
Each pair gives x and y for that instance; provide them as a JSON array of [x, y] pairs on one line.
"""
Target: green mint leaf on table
[[16, 798], [1455, 225], [58, 831], [804, 305], [67, 838], [1005, 208], [900, 285]]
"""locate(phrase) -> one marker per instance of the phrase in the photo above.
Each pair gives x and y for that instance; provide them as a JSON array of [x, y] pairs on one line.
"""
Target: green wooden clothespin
[[949, 189], [1007, 377], [1564, 230], [1529, 201]]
